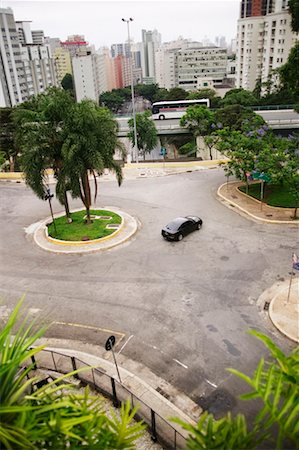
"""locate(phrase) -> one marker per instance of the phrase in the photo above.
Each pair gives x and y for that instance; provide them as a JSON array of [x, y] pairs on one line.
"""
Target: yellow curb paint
[[11, 175], [169, 165], [90, 327], [77, 243]]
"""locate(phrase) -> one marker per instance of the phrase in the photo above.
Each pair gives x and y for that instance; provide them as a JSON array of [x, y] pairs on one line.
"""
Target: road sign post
[[49, 196], [109, 346]]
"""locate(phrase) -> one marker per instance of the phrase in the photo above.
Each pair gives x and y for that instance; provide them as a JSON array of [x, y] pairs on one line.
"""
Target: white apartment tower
[[264, 40], [151, 41], [12, 74], [86, 76], [188, 66], [26, 66]]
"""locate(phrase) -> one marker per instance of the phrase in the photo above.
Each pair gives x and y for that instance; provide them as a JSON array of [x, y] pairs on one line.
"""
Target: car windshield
[[175, 224]]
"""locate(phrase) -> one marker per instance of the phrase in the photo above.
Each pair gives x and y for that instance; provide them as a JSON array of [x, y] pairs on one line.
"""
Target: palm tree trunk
[[87, 195], [67, 208]]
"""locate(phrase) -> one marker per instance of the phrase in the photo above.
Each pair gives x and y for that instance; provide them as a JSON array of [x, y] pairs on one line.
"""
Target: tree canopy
[[239, 97], [74, 139], [294, 11], [67, 83], [289, 72], [147, 137]]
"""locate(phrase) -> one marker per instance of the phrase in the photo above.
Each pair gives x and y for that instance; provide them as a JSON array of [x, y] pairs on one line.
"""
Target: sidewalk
[[253, 208], [151, 390], [134, 171]]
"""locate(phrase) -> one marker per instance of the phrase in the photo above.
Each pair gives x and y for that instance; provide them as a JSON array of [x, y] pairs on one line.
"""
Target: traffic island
[[118, 234]]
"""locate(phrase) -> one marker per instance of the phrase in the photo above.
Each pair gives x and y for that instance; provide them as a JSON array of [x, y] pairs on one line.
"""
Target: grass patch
[[78, 230], [274, 195]]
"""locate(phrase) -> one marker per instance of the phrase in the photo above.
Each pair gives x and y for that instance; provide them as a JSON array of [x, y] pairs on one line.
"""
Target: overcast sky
[[100, 21]]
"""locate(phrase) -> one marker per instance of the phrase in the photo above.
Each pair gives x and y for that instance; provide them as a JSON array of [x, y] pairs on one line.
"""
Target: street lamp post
[[132, 90]]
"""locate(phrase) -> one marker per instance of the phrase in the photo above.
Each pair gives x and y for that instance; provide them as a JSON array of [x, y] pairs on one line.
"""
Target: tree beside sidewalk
[[147, 137]]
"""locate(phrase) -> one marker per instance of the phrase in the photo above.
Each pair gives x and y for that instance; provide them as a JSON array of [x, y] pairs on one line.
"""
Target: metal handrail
[[177, 438]]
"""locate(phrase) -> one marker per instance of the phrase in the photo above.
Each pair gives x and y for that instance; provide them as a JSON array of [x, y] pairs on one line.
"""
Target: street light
[[132, 89]]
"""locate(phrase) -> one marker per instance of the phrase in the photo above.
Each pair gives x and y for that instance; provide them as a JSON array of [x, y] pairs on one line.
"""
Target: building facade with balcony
[[26, 65], [264, 40], [190, 66]]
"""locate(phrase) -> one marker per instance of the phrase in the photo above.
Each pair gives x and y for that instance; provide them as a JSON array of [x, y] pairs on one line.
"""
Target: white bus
[[175, 109]]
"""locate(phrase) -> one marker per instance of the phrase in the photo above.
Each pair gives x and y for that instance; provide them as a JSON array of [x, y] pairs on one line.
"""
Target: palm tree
[[89, 146], [40, 135]]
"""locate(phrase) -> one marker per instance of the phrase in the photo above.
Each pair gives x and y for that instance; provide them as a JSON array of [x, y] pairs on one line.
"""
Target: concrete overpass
[[278, 120]]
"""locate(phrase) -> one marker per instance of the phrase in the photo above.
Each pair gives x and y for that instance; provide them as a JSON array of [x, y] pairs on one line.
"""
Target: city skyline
[[195, 20]]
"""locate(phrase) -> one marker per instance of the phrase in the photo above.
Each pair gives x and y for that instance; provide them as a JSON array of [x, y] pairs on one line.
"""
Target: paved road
[[183, 309]]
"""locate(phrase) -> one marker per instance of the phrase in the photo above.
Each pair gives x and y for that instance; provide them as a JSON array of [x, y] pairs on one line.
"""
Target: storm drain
[[266, 306], [162, 392]]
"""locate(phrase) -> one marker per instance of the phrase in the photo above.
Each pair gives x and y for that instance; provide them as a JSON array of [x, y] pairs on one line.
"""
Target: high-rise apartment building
[[151, 41], [75, 44], [106, 70], [190, 65], [264, 40], [26, 65], [63, 64], [120, 49], [86, 76], [12, 82]]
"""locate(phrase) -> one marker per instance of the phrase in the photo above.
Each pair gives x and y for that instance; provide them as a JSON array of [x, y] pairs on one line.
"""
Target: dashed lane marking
[[180, 363]]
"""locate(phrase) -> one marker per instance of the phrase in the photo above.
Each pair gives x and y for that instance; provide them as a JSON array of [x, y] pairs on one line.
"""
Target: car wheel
[[161, 117], [198, 226], [180, 237]]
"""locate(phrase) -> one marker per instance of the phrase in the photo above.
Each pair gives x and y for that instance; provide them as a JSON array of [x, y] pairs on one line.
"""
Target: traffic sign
[[110, 343]]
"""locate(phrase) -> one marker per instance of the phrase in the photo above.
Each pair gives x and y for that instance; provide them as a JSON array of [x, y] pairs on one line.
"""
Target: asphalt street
[[183, 309]]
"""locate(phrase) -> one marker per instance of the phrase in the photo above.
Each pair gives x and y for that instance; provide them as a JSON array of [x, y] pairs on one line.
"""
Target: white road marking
[[132, 335], [34, 310], [212, 384], [181, 364], [31, 229]]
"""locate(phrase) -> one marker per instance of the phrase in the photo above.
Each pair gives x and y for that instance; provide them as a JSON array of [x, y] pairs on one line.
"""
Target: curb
[[103, 244], [279, 323], [77, 243], [291, 222]]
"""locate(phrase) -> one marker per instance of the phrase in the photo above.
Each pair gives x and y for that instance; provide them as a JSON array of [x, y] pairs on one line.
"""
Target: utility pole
[[135, 149]]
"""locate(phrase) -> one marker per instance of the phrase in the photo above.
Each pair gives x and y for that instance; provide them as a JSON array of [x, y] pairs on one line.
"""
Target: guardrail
[[159, 429], [284, 123]]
